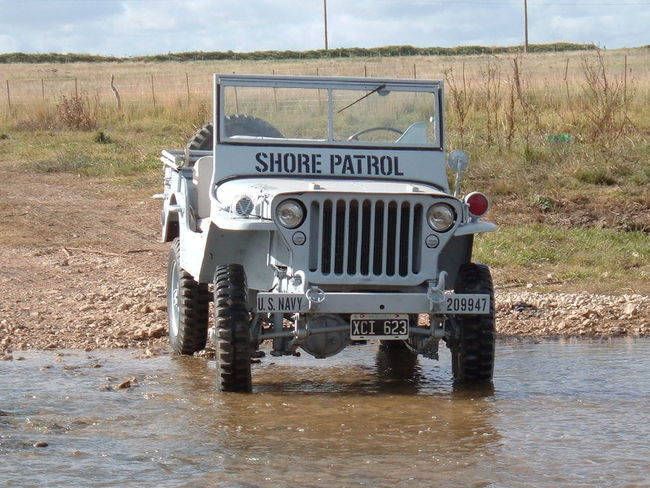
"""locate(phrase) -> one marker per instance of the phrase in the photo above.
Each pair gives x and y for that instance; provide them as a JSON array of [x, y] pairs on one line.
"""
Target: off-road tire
[[245, 125], [187, 307], [473, 341], [232, 338]]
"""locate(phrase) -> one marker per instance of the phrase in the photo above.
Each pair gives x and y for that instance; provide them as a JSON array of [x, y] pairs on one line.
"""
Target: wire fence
[[179, 84], [143, 89]]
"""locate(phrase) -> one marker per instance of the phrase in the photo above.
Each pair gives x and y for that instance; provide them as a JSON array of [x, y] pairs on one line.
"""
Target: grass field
[[559, 141]]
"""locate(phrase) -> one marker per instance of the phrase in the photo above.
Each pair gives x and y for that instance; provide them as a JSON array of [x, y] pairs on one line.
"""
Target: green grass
[[127, 151], [537, 253]]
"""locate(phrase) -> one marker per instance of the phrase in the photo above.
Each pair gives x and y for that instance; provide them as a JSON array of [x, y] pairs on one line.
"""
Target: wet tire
[[243, 125], [473, 341], [232, 329], [187, 307]]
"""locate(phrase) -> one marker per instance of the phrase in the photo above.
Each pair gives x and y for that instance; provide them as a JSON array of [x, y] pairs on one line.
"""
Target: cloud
[[132, 27]]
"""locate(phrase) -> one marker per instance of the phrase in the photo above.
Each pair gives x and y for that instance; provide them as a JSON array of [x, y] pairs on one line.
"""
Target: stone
[[130, 383], [630, 309]]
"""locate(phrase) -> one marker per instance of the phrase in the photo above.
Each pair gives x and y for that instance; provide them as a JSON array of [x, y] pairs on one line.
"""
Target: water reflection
[[313, 423]]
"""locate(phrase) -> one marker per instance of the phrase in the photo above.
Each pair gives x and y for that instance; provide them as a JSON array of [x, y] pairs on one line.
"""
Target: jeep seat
[[202, 178]]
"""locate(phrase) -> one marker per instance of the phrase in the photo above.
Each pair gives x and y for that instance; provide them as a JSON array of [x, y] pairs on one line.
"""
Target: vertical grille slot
[[370, 236]]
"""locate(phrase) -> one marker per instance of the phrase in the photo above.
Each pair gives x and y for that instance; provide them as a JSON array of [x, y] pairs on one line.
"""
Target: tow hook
[[436, 293]]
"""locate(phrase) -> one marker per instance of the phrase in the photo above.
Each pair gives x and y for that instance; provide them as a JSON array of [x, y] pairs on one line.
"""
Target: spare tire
[[236, 125]]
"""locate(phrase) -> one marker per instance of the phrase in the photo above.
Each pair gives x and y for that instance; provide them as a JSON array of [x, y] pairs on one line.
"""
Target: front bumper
[[317, 301]]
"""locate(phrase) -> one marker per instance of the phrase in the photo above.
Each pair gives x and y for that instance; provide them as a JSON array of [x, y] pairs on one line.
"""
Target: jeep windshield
[[336, 111]]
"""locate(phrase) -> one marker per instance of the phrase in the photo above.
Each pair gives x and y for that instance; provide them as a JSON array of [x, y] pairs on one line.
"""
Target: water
[[561, 413]]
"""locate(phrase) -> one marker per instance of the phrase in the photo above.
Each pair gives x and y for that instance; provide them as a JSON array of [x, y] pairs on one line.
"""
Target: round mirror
[[457, 160]]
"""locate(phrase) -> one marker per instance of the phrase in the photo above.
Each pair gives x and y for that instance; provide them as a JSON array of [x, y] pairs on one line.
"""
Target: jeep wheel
[[187, 307], [232, 338], [243, 125], [473, 339]]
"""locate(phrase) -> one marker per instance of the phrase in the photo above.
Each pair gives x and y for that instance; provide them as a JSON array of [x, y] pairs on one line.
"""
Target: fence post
[[43, 90], [153, 92], [275, 94], [625, 81], [365, 71], [415, 73], [8, 95], [116, 93], [187, 84]]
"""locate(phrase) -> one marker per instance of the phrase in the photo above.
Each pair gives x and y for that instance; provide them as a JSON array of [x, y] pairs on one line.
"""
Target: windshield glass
[[381, 114]]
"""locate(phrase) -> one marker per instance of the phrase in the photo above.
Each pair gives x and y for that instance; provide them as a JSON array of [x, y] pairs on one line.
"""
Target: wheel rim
[[172, 301]]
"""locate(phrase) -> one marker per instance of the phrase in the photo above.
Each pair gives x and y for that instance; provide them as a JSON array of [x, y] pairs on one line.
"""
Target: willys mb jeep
[[315, 212]]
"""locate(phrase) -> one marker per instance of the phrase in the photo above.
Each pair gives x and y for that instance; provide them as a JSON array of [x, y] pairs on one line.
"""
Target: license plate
[[467, 304], [281, 302], [364, 326]]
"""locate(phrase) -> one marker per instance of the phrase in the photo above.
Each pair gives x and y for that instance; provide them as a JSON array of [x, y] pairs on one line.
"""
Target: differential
[[328, 334]]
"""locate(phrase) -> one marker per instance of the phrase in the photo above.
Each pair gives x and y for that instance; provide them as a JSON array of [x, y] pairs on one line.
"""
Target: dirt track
[[83, 268]]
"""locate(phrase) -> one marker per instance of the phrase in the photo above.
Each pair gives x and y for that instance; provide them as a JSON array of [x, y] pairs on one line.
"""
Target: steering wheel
[[355, 136]]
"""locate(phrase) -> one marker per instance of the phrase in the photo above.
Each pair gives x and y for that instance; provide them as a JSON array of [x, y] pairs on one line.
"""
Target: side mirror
[[457, 160]]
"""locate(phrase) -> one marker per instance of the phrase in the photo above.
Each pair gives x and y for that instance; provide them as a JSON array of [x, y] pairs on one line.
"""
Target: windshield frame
[[329, 85]]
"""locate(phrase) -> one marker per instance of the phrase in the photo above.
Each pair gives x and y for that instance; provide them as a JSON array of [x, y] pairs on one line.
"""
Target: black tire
[[187, 307], [244, 125], [473, 340], [232, 335]]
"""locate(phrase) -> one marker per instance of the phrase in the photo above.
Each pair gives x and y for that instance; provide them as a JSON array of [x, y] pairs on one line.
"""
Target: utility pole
[[525, 26], [325, 20]]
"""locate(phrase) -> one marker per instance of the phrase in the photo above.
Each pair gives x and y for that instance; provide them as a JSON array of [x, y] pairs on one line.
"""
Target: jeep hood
[[266, 188]]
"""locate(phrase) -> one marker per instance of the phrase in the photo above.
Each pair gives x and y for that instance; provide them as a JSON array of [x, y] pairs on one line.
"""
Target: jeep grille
[[370, 236]]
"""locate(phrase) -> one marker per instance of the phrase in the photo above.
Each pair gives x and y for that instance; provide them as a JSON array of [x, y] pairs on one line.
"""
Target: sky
[[141, 27]]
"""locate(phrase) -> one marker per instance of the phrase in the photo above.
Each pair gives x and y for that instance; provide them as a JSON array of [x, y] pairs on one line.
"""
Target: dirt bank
[[83, 268]]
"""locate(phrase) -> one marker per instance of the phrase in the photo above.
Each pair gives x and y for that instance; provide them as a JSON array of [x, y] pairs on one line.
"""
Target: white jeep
[[316, 212]]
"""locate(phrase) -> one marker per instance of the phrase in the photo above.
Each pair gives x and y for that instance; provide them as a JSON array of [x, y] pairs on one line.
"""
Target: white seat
[[415, 134], [202, 178]]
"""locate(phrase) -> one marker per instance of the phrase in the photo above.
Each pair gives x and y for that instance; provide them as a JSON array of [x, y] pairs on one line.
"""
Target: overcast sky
[[134, 27]]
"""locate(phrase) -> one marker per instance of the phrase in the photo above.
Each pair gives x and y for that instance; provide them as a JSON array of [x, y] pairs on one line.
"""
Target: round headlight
[[290, 213], [441, 217]]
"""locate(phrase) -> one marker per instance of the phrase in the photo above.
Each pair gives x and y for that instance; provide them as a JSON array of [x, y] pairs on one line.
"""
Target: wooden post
[[415, 73], [325, 22], [320, 102], [525, 26], [625, 81], [76, 88], [365, 71], [116, 93], [153, 92], [566, 82], [187, 84], [8, 95], [43, 90], [275, 94]]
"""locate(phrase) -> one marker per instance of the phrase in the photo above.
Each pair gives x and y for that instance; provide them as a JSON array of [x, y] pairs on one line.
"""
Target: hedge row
[[386, 51]]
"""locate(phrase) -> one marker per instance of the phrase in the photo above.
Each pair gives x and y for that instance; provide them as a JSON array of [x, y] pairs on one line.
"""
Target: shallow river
[[561, 413]]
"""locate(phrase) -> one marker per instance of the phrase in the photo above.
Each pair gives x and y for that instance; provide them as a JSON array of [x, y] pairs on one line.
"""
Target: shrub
[[102, 137], [74, 112]]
